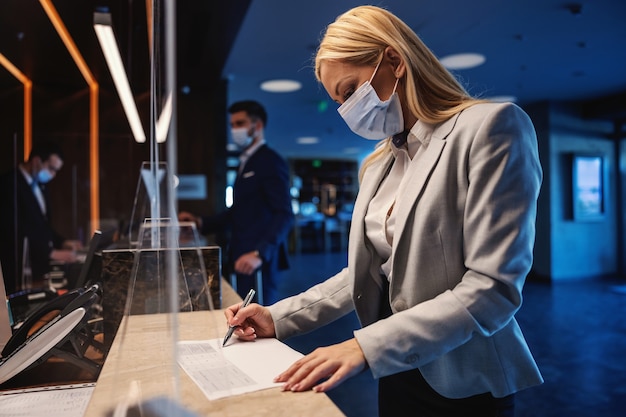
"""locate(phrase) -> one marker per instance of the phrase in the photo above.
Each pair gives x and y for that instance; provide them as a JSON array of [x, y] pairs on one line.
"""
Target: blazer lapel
[[417, 175], [371, 181], [356, 243]]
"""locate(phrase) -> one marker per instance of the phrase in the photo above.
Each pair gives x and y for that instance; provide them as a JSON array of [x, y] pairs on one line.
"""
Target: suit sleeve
[[275, 190], [217, 223], [319, 305]]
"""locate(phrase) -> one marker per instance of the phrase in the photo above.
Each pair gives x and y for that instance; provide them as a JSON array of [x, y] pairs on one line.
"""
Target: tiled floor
[[576, 330]]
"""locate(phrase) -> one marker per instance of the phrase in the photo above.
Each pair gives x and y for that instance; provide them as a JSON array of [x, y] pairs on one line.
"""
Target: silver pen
[[231, 329]]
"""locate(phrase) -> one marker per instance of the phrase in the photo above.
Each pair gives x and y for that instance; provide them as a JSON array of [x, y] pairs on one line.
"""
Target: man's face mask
[[370, 117], [242, 137], [44, 176]]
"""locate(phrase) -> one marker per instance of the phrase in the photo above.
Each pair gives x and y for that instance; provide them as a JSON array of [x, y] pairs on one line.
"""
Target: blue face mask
[[370, 117], [242, 137], [44, 176]]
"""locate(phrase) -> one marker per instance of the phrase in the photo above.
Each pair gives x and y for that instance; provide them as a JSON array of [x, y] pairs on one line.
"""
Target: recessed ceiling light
[[462, 61], [308, 140], [281, 86], [502, 99]]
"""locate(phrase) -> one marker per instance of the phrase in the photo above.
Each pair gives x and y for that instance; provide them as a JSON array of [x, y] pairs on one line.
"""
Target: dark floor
[[576, 331]]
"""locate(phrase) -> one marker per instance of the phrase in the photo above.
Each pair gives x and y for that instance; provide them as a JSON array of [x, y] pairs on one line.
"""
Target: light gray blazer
[[465, 230]]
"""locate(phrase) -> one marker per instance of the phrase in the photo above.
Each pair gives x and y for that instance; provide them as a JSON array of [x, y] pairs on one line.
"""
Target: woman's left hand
[[333, 363]]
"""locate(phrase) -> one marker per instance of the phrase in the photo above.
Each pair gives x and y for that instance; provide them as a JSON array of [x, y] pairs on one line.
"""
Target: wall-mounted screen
[[588, 187]]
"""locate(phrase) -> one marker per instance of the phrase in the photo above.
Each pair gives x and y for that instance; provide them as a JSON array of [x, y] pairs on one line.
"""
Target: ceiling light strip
[[13, 70], [94, 141], [94, 159], [106, 37], [65, 36], [150, 23], [28, 103]]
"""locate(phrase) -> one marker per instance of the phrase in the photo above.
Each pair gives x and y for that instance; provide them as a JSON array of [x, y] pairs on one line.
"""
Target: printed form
[[237, 368], [55, 401]]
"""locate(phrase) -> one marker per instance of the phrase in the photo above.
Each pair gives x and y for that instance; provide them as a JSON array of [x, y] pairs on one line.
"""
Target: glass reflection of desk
[[272, 402]]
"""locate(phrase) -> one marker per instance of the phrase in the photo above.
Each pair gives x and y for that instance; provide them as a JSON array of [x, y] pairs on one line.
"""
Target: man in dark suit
[[25, 218], [261, 216]]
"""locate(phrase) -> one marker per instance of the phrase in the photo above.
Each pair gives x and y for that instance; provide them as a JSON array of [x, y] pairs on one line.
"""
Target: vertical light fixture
[[104, 31], [28, 103], [94, 139]]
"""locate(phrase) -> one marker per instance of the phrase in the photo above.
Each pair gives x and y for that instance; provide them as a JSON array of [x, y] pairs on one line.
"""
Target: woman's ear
[[396, 61]]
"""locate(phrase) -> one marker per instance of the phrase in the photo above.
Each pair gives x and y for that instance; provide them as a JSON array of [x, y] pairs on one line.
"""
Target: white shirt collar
[[419, 135], [29, 179], [251, 150]]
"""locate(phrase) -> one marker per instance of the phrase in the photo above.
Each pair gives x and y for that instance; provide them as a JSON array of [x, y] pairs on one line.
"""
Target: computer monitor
[[86, 270]]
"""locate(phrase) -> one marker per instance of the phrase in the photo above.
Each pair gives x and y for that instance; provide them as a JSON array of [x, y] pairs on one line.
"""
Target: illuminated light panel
[[351, 150], [94, 140], [307, 140], [28, 102], [463, 61], [164, 120], [281, 86], [502, 99], [106, 37]]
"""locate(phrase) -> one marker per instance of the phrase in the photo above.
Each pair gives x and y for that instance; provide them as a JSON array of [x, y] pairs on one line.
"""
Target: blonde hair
[[359, 37]]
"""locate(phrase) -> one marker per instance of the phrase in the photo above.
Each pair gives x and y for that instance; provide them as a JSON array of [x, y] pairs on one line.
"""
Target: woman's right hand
[[252, 321]]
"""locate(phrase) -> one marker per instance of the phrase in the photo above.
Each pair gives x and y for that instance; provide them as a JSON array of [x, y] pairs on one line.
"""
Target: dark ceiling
[[537, 50], [205, 32]]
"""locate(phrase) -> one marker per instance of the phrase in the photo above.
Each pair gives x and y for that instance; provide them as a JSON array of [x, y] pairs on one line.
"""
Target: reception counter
[[147, 367]]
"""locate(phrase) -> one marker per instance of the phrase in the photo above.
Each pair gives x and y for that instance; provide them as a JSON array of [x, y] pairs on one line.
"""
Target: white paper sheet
[[237, 368], [55, 401]]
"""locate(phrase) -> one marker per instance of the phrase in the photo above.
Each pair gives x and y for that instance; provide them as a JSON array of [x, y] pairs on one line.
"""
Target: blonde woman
[[441, 240]]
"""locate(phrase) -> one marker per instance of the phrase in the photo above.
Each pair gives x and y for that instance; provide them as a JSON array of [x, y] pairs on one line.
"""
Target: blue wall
[[567, 248]]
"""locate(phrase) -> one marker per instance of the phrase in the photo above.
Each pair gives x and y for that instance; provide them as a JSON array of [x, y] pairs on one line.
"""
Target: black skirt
[[408, 393]]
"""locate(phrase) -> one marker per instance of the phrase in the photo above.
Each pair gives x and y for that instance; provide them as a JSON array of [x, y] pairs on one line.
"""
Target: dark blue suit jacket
[[21, 216], [261, 215]]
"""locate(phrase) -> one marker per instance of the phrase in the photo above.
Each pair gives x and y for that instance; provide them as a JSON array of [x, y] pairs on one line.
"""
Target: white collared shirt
[[36, 190], [245, 155], [380, 218]]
